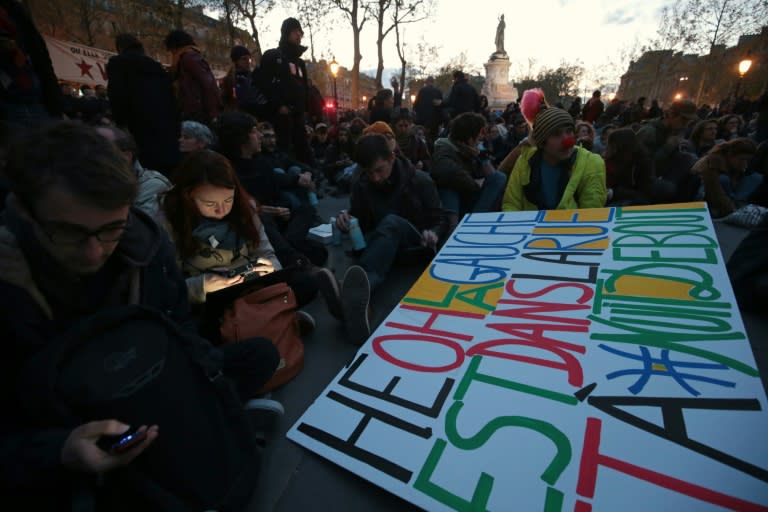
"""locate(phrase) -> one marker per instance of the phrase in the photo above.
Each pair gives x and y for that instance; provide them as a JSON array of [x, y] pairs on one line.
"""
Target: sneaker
[[264, 415], [329, 288], [355, 298], [306, 322]]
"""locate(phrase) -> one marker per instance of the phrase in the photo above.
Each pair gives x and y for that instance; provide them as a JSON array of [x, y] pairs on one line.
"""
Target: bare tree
[[389, 15], [357, 14], [311, 13], [250, 10]]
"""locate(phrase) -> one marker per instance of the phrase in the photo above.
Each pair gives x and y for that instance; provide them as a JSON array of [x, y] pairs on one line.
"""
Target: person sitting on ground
[[602, 141], [704, 137], [216, 228], [73, 251], [553, 174], [399, 213], [629, 171], [466, 182], [151, 184], [722, 171], [320, 143], [496, 143], [585, 136], [286, 219], [338, 156], [412, 147], [729, 127], [195, 137], [672, 161]]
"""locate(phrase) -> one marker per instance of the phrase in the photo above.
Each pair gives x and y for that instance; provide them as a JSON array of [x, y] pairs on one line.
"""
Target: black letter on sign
[[674, 423], [348, 446]]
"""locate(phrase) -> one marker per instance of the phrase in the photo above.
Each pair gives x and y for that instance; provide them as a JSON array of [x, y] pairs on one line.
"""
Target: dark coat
[[462, 98], [197, 93], [39, 301], [285, 77], [409, 193], [424, 107], [142, 101]]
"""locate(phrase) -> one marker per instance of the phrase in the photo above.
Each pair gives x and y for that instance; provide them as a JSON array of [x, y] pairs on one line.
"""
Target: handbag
[[268, 312]]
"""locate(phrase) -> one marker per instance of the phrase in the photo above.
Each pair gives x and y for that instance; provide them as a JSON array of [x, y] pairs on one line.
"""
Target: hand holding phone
[[100, 446], [121, 443]]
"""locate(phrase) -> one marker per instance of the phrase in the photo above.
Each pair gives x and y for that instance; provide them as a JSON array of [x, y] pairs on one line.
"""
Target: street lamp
[[743, 68], [334, 66], [413, 99], [678, 96]]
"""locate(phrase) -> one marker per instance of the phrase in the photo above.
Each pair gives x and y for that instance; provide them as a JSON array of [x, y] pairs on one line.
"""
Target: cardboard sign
[[561, 360]]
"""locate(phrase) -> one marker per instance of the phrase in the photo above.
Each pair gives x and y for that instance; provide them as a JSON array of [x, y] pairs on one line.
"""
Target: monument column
[[497, 88]]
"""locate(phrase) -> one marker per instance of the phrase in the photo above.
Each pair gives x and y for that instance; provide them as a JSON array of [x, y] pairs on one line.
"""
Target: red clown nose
[[568, 142]]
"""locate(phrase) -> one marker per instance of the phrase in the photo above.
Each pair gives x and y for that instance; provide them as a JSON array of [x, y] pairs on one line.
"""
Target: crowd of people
[[169, 185]]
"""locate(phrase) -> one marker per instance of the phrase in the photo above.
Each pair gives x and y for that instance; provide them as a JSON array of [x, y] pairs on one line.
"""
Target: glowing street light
[[334, 67], [678, 96], [413, 99], [744, 66]]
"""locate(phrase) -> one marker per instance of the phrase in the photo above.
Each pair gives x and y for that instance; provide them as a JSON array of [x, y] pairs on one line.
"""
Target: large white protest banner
[[563, 360], [78, 63]]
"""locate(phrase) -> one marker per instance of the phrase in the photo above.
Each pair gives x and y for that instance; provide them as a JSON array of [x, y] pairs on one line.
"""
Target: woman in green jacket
[[551, 172]]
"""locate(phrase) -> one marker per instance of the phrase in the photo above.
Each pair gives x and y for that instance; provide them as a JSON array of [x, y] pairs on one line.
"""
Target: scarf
[[220, 230]]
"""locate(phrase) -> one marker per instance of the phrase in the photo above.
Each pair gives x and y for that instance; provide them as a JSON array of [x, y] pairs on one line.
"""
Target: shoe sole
[[355, 297], [329, 289]]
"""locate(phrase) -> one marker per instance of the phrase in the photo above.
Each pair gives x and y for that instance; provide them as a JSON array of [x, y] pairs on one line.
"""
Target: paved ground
[[295, 479]]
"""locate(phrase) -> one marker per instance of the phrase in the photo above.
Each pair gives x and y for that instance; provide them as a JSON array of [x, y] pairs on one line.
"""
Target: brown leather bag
[[269, 312]]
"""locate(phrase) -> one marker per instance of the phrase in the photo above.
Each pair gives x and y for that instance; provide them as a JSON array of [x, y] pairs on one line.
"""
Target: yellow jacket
[[585, 187]]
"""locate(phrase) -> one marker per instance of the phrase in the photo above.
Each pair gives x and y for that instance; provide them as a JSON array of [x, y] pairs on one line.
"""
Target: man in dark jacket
[[141, 96], [285, 78], [398, 211], [427, 108], [462, 96], [72, 247]]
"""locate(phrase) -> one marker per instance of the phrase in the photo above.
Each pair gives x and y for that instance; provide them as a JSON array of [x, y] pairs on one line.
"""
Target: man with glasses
[[71, 246]]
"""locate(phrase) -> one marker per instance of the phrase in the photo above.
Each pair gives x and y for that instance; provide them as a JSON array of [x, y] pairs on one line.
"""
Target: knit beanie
[[547, 121], [289, 25], [237, 52], [379, 127]]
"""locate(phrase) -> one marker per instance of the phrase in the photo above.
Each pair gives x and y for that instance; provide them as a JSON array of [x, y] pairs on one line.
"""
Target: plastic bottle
[[335, 232], [356, 235]]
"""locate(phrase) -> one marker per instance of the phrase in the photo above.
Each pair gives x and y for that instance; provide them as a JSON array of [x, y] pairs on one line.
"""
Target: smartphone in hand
[[122, 442]]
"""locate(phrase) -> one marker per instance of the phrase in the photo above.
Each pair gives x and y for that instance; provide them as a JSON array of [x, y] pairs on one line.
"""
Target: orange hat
[[379, 127]]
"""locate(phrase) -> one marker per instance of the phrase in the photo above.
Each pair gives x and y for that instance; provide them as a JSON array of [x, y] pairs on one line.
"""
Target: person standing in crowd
[[398, 211], [555, 173], [285, 77], [386, 104], [462, 96], [142, 102], [465, 178], [593, 109], [29, 92], [727, 187], [237, 89], [427, 108], [197, 94]]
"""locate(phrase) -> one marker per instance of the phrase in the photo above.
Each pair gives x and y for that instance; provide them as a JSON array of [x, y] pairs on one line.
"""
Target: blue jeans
[[392, 235], [486, 200], [293, 197], [746, 188]]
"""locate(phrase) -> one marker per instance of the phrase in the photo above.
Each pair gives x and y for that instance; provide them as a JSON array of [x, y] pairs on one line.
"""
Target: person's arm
[[592, 192], [264, 248], [513, 200], [710, 168], [452, 175]]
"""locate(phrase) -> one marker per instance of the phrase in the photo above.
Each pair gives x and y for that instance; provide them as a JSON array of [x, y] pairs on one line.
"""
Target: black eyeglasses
[[73, 235]]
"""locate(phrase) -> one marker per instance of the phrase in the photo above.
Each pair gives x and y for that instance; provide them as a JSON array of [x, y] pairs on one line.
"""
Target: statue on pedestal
[[500, 35]]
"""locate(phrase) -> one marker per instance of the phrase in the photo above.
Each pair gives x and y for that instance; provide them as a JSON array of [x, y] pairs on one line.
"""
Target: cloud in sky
[[619, 17]]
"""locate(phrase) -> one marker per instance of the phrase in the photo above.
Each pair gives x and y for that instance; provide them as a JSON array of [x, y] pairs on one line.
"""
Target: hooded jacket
[[285, 75], [454, 166]]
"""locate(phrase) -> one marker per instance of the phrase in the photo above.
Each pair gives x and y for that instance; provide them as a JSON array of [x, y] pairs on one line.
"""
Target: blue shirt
[[550, 185]]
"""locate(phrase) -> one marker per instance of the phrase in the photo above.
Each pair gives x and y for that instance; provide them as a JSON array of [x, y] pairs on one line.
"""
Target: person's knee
[[496, 180]]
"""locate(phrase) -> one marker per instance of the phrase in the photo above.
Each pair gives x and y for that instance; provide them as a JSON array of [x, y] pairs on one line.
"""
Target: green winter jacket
[[582, 187]]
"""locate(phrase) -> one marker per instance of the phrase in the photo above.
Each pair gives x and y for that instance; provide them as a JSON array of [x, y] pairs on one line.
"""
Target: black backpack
[[134, 364]]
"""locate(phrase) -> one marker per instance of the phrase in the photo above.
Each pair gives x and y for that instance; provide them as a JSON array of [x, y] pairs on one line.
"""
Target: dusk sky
[[548, 31]]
